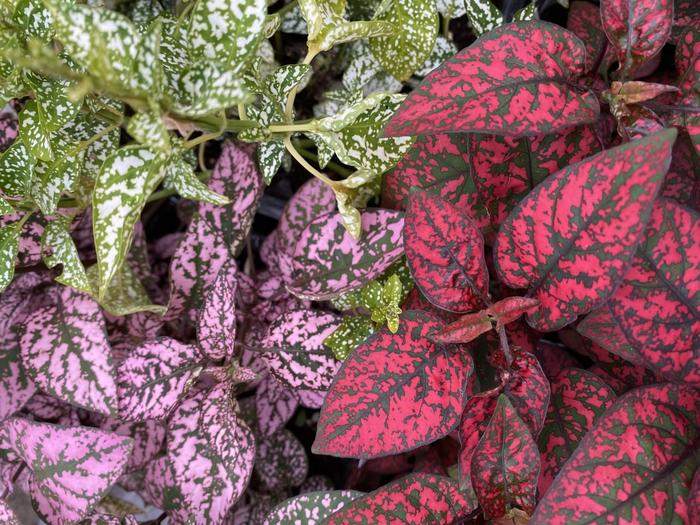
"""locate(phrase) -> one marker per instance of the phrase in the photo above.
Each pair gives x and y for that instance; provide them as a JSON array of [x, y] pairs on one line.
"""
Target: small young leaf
[[350, 333], [483, 16], [511, 308], [179, 173], [529, 12], [280, 462], [311, 508], [408, 47], [465, 329], [394, 393], [506, 463]]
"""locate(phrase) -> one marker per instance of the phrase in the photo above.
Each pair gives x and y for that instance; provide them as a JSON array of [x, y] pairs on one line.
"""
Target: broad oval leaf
[[280, 462], [311, 508], [394, 393], [445, 252], [657, 306], [637, 30], [154, 377], [71, 468], [328, 261], [514, 80], [216, 328], [505, 463], [636, 464], [275, 404], [65, 351], [294, 349], [528, 390], [571, 239], [412, 500], [578, 399]]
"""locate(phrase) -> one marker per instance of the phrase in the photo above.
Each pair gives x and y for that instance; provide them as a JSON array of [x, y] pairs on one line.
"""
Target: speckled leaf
[[52, 180], [578, 399], [16, 170], [65, 351], [445, 252], [465, 329], [658, 303], [637, 30], [506, 463], [350, 333], [412, 500], [394, 393], [275, 404], [148, 436], [514, 80], [8, 517], [34, 132], [125, 181], [328, 261], [528, 390], [216, 233], [208, 86], [211, 451], [270, 156], [510, 309], [154, 377], [584, 21], [483, 16], [294, 349], [9, 246], [529, 12], [571, 239], [53, 104], [407, 48], [311, 508], [125, 294], [216, 328], [280, 462], [71, 468], [58, 242], [636, 464], [149, 129]]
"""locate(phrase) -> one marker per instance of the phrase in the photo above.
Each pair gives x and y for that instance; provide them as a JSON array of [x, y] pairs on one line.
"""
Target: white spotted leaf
[[483, 16], [59, 249]]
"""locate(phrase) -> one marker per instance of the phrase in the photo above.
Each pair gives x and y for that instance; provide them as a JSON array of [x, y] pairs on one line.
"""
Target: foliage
[[480, 301]]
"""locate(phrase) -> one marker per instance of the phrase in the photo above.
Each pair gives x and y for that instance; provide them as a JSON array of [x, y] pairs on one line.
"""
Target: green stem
[[285, 8], [310, 54], [286, 128], [301, 160], [340, 170]]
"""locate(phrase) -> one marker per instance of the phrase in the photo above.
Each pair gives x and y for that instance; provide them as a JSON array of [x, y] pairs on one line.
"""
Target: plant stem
[[285, 8], [340, 170], [301, 160], [285, 128], [289, 110]]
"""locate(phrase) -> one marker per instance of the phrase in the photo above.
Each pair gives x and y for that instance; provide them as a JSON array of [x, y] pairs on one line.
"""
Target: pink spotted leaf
[[528, 390], [394, 393], [216, 327], [7, 515], [311, 508], [275, 405], [280, 462]]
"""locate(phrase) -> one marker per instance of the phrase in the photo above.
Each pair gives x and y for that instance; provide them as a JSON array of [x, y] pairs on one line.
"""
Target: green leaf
[[125, 294], [57, 241], [365, 73], [149, 130], [34, 18], [123, 184], [272, 24], [349, 335], [393, 296], [34, 133], [54, 107], [51, 180], [319, 14], [5, 207], [180, 175], [227, 30], [529, 12], [207, 87], [9, 245], [16, 170], [342, 31], [324, 151], [483, 16], [269, 156], [451, 8], [410, 45]]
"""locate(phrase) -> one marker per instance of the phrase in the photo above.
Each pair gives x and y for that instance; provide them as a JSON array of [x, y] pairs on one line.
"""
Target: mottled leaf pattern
[[571, 239], [280, 462], [476, 91], [395, 392], [506, 463], [311, 508], [528, 390], [57, 241], [275, 405], [216, 329], [635, 465]]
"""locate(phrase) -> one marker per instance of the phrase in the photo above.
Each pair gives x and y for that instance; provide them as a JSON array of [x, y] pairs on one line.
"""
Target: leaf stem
[[289, 109], [301, 160], [285, 8], [340, 170], [285, 128]]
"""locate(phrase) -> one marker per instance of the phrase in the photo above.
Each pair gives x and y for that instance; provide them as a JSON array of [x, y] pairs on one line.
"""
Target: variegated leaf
[[280, 462], [311, 508], [57, 242], [216, 328]]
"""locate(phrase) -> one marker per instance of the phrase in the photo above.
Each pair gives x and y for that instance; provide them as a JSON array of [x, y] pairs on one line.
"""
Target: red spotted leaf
[[528, 390], [445, 252], [71, 468], [571, 239], [394, 393], [578, 399], [554, 358], [584, 22], [467, 328], [413, 500], [657, 306], [294, 349], [311, 508], [328, 261], [275, 404], [216, 328], [511, 308], [694, 499], [211, 453], [682, 182], [506, 463], [216, 233], [637, 30], [154, 377], [515, 80], [65, 351], [475, 419], [280, 462], [635, 465]]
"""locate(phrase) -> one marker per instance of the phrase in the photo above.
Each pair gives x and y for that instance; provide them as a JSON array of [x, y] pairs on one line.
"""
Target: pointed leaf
[[637, 30], [16, 170], [72, 468], [511, 308], [275, 405], [65, 351], [658, 303], [280, 462], [9, 248], [528, 390], [57, 241], [179, 173], [476, 91], [465, 329], [483, 16], [506, 463], [350, 333], [445, 252], [311, 508], [571, 239], [413, 500], [578, 399], [328, 261], [636, 464], [34, 132], [154, 377], [294, 349], [216, 329], [394, 393]]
